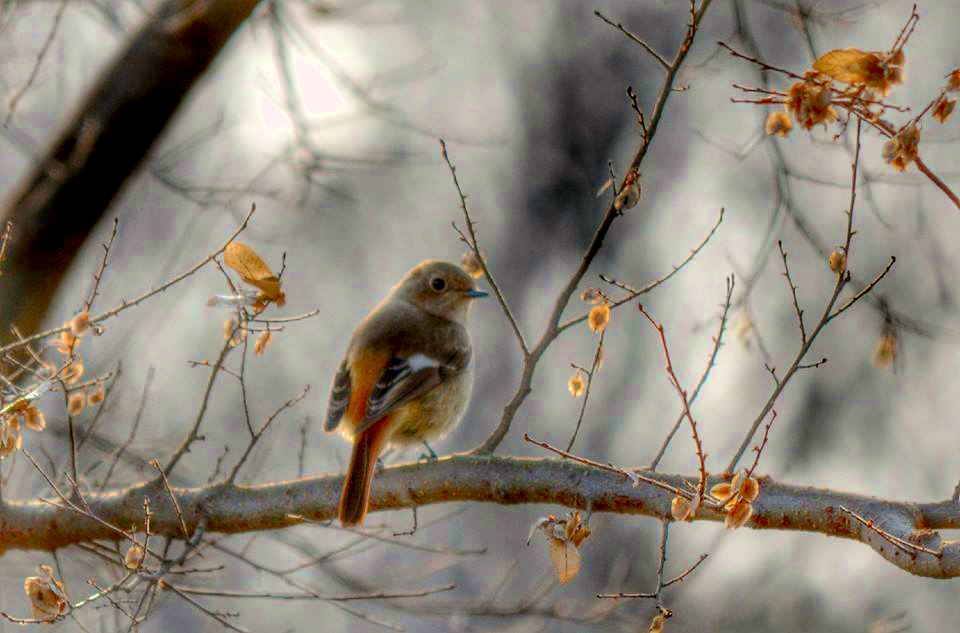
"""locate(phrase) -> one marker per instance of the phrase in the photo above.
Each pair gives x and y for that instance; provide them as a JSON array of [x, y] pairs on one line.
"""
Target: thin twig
[[471, 241], [552, 329], [907, 546], [763, 444], [827, 315], [263, 429], [124, 305], [633, 476], [193, 435], [35, 70], [176, 504], [151, 372], [597, 358], [793, 292], [681, 392], [717, 342], [633, 36], [97, 276], [636, 292]]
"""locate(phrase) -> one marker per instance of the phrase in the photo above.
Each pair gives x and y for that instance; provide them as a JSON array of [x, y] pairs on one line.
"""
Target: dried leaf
[[262, 341], [76, 402], [96, 395], [778, 123], [722, 492], [943, 109], [33, 419], [902, 149], [680, 509], [592, 295], [628, 197], [134, 556], [47, 598], [576, 384], [657, 624], [254, 271], [739, 514], [80, 323], [809, 103], [849, 65], [471, 264], [886, 351], [73, 372], [599, 317], [953, 80], [576, 530], [837, 262], [750, 489], [566, 559]]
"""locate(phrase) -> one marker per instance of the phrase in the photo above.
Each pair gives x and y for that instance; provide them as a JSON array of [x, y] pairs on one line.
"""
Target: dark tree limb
[[61, 199]]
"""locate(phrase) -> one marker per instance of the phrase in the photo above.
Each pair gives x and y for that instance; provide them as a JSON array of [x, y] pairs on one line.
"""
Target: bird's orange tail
[[355, 496]]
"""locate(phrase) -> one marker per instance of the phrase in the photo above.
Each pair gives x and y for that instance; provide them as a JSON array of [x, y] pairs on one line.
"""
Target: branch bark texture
[[229, 508]]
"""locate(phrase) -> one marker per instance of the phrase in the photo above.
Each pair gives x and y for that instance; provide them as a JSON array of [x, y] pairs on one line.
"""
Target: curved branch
[[229, 508]]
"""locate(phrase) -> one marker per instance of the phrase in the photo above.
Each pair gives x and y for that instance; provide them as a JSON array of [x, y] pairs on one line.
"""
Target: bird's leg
[[380, 465], [430, 455]]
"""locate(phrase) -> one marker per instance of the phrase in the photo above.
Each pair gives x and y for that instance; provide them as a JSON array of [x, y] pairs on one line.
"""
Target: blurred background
[[327, 117]]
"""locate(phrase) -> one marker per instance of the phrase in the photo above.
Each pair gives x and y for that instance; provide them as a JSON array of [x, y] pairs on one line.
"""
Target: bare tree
[[130, 523]]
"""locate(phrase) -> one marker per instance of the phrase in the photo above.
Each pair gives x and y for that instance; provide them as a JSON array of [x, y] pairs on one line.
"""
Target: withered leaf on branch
[[878, 71], [254, 271], [564, 537]]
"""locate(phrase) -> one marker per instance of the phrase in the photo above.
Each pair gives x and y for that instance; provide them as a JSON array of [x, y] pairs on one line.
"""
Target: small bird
[[406, 377]]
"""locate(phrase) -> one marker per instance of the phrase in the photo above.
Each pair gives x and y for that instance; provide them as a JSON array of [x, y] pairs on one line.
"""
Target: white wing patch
[[421, 361]]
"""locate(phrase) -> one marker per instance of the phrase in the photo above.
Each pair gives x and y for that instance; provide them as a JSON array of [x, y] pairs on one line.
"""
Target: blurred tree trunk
[[61, 199]]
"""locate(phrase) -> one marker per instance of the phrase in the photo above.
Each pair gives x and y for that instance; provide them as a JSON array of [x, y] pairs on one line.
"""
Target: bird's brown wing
[[402, 380]]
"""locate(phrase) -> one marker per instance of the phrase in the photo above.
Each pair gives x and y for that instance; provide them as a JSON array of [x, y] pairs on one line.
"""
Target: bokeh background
[[328, 117]]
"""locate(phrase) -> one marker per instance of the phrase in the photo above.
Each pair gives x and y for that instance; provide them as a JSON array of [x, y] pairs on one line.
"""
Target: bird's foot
[[429, 456]]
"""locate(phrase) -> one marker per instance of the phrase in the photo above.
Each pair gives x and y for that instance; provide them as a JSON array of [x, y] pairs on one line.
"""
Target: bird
[[406, 377]]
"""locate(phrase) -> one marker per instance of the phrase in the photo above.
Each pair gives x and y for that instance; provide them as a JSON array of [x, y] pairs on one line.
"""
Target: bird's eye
[[438, 283]]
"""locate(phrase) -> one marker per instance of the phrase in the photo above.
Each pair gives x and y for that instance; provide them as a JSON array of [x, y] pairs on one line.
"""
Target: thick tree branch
[[226, 508]]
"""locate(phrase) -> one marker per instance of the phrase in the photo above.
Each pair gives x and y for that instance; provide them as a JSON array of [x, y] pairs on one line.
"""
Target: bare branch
[[471, 242], [232, 508], [553, 329], [633, 36]]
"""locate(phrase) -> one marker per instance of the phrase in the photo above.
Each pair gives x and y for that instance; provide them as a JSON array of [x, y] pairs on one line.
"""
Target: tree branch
[[40, 525]]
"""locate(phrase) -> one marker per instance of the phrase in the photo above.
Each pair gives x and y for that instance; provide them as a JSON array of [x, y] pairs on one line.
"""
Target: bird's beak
[[476, 294]]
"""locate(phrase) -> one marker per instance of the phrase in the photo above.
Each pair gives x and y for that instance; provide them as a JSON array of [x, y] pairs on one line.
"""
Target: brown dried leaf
[[599, 317], [262, 341], [837, 262], [750, 489], [471, 264], [76, 402], [778, 123], [80, 323], [886, 351], [680, 509], [576, 384], [566, 559], [134, 556], [33, 419], [943, 109], [253, 270], [722, 492], [739, 514], [657, 624], [849, 65]]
